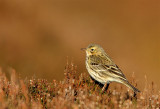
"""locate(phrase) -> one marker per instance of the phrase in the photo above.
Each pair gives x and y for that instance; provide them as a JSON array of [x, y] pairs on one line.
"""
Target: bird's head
[[93, 49]]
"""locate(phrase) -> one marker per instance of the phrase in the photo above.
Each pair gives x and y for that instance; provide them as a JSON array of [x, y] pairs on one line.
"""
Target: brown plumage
[[102, 69]]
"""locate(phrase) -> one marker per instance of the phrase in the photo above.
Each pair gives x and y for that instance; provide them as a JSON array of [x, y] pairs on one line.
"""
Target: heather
[[75, 91]]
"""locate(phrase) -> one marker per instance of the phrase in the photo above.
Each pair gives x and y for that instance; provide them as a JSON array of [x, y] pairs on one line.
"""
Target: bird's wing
[[115, 70], [105, 66], [109, 70]]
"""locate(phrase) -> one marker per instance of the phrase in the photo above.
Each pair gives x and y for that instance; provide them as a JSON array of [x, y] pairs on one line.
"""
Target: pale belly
[[96, 76]]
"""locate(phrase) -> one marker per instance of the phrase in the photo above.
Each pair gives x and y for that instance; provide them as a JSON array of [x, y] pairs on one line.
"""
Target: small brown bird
[[102, 69]]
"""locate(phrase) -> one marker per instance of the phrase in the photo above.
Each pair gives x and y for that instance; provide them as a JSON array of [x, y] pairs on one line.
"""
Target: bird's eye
[[92, 49]]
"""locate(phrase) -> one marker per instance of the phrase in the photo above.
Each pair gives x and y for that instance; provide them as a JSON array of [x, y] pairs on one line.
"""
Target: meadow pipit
[[102, 69]]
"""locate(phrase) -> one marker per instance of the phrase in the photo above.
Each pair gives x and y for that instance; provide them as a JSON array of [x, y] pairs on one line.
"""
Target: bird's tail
[[131, 86]]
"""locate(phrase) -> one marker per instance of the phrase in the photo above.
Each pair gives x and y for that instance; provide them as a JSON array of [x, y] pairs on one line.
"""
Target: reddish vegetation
[[73, 92]]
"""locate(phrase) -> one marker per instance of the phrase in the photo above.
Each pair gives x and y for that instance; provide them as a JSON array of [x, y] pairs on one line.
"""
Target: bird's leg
[[105, 87], [135, 95]]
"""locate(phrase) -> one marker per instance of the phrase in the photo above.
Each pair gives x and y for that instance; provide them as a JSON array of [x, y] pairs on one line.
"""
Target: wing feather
[[109, 69]]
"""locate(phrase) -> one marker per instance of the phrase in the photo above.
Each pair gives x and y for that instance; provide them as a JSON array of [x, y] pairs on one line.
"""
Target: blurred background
[[37, 36]]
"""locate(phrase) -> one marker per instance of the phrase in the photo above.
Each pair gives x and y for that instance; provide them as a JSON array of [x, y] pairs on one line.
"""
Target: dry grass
[[73, 92]]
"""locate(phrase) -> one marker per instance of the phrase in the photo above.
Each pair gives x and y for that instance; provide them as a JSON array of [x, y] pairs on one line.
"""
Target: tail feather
[[131, 87]]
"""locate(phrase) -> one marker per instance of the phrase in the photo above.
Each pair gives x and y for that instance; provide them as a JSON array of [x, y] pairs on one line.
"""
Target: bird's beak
[[84, 49]]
